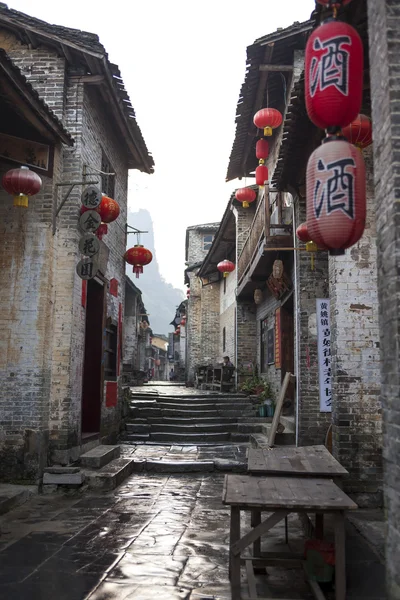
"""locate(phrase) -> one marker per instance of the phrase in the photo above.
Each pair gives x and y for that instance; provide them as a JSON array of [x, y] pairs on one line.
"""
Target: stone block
[[60, 470], [63, 479]]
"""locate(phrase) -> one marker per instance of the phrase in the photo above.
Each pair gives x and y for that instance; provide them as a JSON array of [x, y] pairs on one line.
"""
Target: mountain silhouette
[[160, 298]]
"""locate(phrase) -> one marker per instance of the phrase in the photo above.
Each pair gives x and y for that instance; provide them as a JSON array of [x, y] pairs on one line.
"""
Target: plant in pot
[[267, 406]]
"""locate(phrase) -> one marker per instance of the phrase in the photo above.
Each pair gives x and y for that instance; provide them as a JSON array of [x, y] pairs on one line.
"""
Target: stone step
[[203, 400], [111, 475], [194, 428], [260, 440], [13, 495], [100, 456], [183, 438], [281, 439], [187, 397], [186, 413], [138, 428], [192, 407], [289, 423], [192, 421]]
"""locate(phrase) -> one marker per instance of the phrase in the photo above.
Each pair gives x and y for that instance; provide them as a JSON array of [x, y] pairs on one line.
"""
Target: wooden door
[[287, 344]]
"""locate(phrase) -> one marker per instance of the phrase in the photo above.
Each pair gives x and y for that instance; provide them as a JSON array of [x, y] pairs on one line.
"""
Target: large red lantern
[[108, 209], [334, 66], [267, 119], [359, 132], [261, 175], [336, 195], [302, 233], [245, 195], [225, 267], [262, 151], [21, 183], [138, 256]]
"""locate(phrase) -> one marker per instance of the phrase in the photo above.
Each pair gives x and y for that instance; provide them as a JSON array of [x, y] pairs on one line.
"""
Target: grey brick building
[[61, 391]]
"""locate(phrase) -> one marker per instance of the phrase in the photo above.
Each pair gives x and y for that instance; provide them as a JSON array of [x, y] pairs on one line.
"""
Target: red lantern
[[262, 151], [302, 233], [138, 256], [245, 195], [225, 267], [336, 195], [101, 230], [261, 175], [21, 183], [359, 132], [108, 209], [334, 67], [333, 3], [183, 321], [267, 119]]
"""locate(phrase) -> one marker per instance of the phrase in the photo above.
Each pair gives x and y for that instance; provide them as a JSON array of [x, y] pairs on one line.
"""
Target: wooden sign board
[[26, 152], [86, 268], [91, 197], [89, 221], [89, 245]]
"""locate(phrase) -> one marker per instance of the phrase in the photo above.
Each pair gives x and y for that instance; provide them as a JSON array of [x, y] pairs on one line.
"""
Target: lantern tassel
[[21, 200], [245, 204], [268, 131], [138, 269]]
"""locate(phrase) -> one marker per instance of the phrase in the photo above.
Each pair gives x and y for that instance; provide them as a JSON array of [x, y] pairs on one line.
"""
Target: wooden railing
[[252, 243]]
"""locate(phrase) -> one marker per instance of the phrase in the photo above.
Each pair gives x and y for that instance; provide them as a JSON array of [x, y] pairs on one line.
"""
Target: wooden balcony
[[266, 236]]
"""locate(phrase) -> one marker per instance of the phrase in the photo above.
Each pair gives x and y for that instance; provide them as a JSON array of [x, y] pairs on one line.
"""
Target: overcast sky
[[183, 63]]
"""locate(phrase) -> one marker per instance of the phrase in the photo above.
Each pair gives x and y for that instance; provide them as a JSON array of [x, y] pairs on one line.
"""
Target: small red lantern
[[336, 195], [225, 267], [302, 233], [267, 119], [183, 321], [138, 256], [21, 183], [261, 175], [245, 195], [262, 151], [334, 66], [101, 230], [359, 132]]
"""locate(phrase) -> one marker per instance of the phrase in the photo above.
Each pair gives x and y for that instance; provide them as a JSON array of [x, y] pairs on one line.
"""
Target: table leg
[[286, 531], [340, 557], [234, 561], [256, 520], [319, 526]]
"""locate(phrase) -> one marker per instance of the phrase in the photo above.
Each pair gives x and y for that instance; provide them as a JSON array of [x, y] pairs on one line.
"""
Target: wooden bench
[[281, 496], [219, 378]]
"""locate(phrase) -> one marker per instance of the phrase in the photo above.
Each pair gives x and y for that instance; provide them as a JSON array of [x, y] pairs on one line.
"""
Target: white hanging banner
[[324, 354]]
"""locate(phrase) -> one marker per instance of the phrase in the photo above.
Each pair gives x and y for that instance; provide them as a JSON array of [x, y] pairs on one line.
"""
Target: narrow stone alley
[[158, 535]]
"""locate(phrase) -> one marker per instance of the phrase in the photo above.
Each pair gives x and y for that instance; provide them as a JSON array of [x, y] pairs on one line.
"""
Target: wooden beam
[[34, 42], [257, 105], [67, 53], [272, 68]]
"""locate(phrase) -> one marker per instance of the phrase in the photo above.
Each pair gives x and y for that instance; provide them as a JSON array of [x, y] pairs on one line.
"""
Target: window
[[110, 351], [207, 241], [107, 181], [223, 339], [267, 346]]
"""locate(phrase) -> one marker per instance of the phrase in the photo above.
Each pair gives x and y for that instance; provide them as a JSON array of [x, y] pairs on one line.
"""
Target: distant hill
[[160, 298]]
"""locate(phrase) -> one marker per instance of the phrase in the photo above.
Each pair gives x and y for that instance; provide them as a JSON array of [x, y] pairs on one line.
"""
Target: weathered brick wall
[[227, 318], [356, 407], [384, 25], [310, 285], [27, 267], [130, 333], [246, 334]]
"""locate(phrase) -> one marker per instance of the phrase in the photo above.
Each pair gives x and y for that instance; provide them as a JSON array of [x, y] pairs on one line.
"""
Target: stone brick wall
[[384, 25], [310, 285], [356, 414], [55, 365]]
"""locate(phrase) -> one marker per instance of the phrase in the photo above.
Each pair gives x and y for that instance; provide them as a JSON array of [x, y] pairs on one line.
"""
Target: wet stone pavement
[[156, 536]]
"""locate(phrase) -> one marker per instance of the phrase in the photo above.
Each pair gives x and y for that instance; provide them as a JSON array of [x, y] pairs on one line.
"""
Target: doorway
[[92, 366], [287, 329]]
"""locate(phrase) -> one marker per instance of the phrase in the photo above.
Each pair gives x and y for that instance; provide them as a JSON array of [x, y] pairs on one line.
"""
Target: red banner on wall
[[278, 338], [119, 357], [111, 393]]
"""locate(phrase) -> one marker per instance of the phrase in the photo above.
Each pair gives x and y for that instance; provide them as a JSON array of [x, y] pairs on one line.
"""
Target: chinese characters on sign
[[89, 221], [324, 354], [89, 245], [86, 268], [278, 338], [334, 187], [91, 197], [332, 66]]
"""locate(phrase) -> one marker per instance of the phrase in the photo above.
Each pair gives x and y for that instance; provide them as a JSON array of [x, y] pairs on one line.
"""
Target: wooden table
[[307, 461], [281, 496]]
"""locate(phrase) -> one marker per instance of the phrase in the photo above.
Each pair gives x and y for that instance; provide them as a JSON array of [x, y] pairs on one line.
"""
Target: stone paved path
[[156, 537]]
